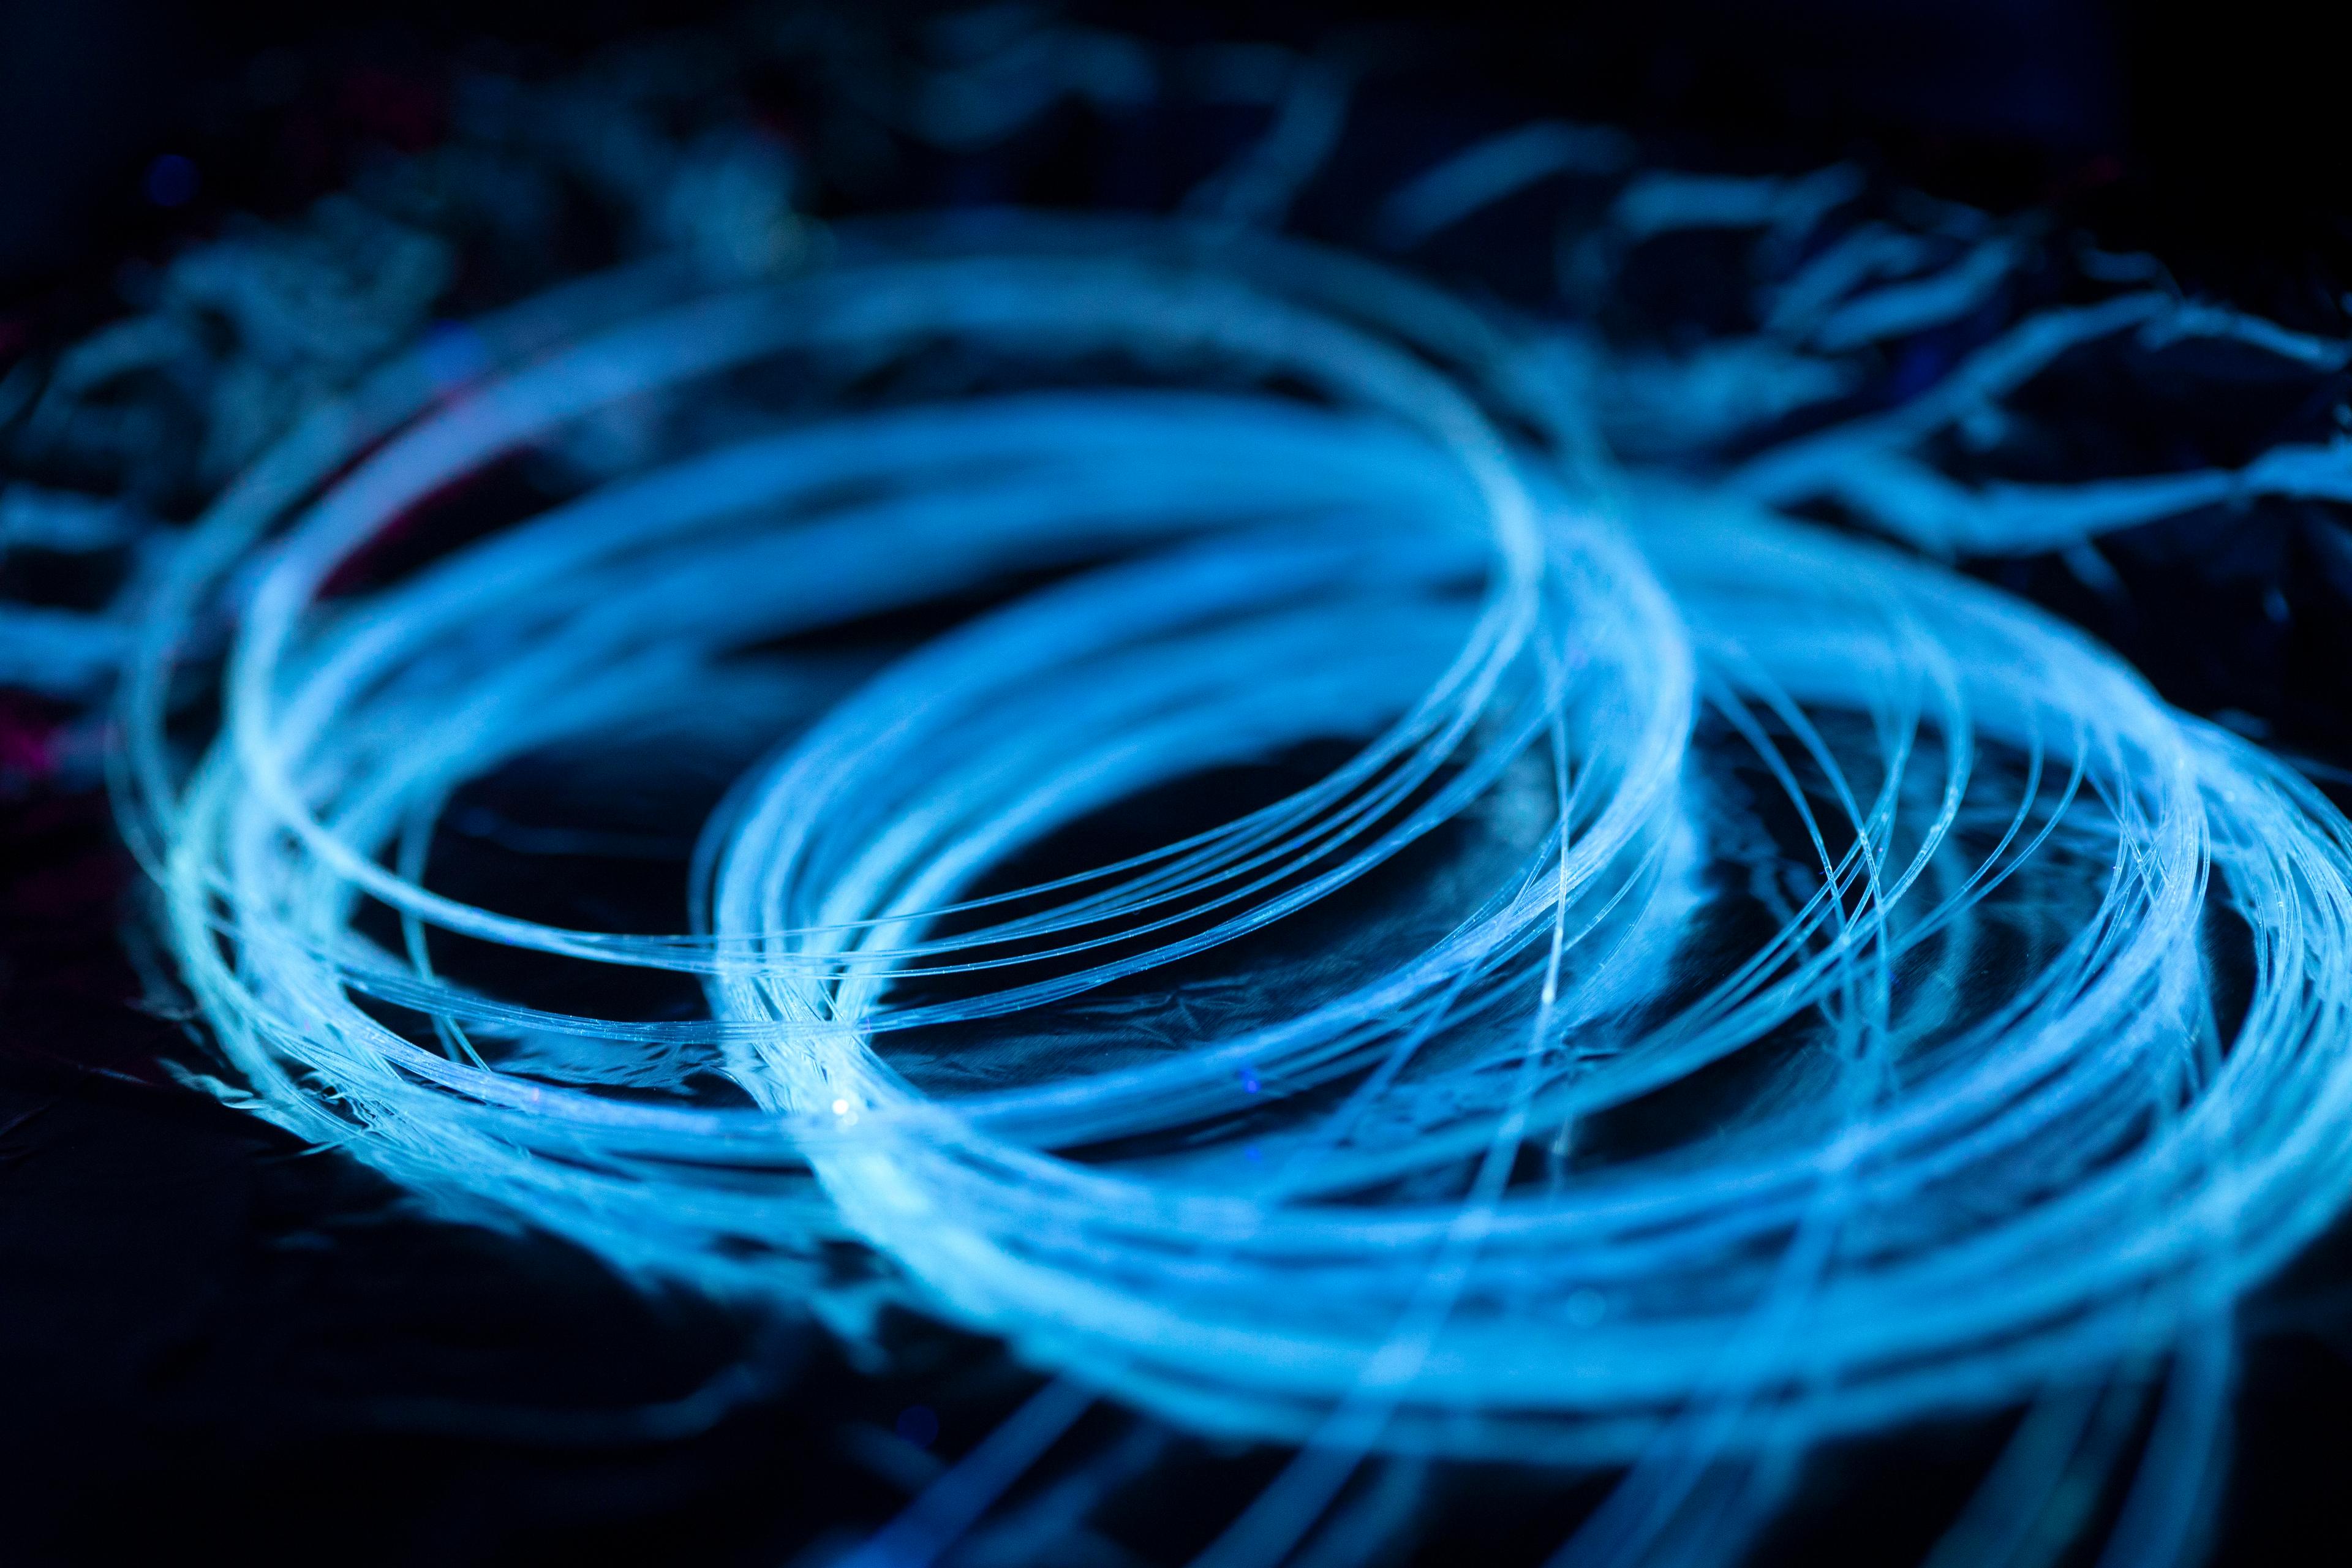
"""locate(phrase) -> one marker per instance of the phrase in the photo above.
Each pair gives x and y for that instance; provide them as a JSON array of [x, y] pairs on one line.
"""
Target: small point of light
[[170, 181], [918, 1425], [841, 1108]]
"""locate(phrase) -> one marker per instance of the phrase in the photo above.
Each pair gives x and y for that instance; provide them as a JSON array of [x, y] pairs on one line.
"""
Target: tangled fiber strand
[[1694, 985]]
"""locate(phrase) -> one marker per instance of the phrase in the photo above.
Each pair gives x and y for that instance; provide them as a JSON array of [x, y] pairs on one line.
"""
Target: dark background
[[2212, 135], [213, 1341]]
